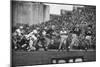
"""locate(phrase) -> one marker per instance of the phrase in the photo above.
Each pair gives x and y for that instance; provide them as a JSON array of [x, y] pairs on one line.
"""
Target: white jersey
[[35, 31], [63, 32], [44, 33], [34, 37], [31, 35], [19, 32], [14, 33]]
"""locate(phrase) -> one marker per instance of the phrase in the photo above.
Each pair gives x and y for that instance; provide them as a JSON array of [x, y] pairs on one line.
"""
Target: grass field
[[22, 58]]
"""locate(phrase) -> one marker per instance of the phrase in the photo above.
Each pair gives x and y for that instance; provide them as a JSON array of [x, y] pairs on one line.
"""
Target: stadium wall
[[29, 12]]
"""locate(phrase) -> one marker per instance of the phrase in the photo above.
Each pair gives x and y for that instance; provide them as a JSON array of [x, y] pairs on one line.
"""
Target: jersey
[[88, 32], [49, 33], [76, 31], [63, 32], [19, 32]]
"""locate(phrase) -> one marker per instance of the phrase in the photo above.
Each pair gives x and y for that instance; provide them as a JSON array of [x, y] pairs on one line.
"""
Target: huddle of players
[[48, 33]]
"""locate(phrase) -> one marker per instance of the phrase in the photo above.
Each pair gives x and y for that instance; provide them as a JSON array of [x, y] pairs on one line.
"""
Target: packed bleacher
[[75, 31]]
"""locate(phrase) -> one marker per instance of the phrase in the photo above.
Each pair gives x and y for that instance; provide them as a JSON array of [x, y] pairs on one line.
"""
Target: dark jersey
[[49, 33], [76, 31], [40, 32], [41, 37], [88, 32]]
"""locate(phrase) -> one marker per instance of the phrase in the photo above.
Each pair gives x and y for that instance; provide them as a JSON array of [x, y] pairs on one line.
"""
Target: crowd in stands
[[77, 30]]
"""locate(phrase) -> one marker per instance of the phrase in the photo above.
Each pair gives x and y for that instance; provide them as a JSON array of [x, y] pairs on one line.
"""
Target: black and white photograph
[[45, 33]]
